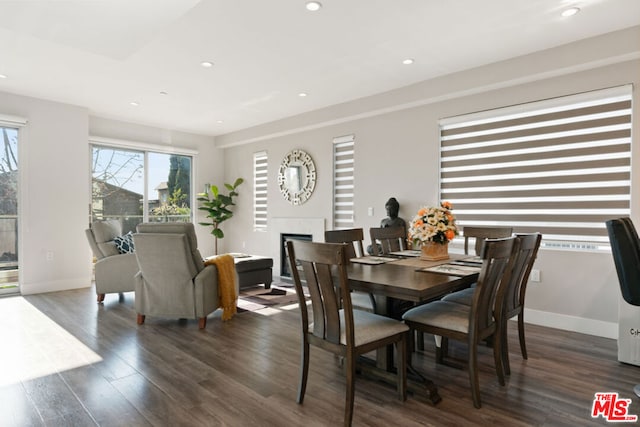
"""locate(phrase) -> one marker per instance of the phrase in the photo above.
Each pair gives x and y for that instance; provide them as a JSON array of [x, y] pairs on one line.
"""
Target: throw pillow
[[125, 243]]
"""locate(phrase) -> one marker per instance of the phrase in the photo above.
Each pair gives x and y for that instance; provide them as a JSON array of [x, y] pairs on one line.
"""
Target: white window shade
[[260, 180], [561, 167], [343, 182]]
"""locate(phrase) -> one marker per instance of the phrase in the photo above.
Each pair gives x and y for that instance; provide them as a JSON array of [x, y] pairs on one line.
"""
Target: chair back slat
[[389, 238], [495, 270]]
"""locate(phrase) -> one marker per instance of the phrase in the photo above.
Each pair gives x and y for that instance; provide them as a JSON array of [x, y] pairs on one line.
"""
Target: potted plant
[[217, 205]]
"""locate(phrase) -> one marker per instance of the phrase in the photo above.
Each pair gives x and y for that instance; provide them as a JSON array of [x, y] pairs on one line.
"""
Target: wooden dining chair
[[473, 323], [479, 234], [510, 298], [387, 239], [354, 238], [336, 326]]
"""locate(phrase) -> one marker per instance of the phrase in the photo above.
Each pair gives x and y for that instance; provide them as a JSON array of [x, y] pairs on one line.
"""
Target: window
[[260, 179], [560, 166], [9, 132], [136, 185], [343, 162]]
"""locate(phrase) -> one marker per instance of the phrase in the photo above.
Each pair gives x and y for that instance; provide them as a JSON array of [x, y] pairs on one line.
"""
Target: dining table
[[409, 280]]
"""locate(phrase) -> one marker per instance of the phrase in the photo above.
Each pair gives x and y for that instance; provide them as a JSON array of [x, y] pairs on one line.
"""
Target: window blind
[[343, 167], [561, 167], [260, 179]]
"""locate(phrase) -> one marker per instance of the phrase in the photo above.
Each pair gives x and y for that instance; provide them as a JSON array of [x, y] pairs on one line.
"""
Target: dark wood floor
[[100, 368]]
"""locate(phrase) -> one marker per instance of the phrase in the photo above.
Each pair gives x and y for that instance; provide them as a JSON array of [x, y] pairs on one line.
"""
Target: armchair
[[114, 271], [173, 280]]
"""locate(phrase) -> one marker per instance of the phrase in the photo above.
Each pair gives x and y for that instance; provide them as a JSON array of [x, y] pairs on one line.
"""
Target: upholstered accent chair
[[114, 272], [173, 280]]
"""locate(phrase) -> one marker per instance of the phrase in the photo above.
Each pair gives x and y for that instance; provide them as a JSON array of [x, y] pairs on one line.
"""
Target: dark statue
[[392, 220]]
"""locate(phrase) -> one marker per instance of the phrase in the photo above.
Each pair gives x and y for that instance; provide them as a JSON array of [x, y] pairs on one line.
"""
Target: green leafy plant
[[217, 205]]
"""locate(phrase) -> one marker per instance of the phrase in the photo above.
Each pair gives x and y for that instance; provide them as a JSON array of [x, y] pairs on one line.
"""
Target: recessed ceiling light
[[408, 61], [2, 76], [207, 64], [134, 104], [163, 93], [570, 12], [302, 94], [219, 121], [313, 6]]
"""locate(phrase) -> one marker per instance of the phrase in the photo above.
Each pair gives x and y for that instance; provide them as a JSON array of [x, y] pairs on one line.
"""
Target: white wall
[[54, 192], [396, 136], [54, 198]]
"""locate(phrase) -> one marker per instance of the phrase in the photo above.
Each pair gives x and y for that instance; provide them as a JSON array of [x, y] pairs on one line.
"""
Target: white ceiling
[[104, 54]]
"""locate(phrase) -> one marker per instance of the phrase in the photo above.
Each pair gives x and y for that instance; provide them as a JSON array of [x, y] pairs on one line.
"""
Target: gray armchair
[[173, 280], [114, 272]]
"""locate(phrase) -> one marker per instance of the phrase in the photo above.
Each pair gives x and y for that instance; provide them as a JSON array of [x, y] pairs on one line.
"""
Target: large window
[[343, 167], [559, 166], [8, 207], [135, 186], [260, 180]]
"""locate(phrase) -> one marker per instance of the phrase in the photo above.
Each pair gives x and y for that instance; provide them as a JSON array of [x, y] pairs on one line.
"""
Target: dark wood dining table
[[403, 279]]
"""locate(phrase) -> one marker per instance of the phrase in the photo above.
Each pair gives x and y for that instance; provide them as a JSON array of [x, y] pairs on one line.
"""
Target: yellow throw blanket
[[226, 284]]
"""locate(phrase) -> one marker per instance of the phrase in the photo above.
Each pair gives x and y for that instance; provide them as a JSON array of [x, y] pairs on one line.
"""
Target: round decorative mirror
[[297, 177]]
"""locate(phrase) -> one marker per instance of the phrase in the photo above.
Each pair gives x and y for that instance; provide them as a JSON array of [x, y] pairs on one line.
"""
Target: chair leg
[[100, 298], [504, 343], [473, 374], [497, 356], [351, 389], [420, 340], [523, 345], [401, 349], [202, 322], [442, 350], [304, 369], [140, 319]]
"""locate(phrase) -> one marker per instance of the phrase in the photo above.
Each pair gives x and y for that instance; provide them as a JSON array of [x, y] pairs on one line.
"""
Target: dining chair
[[355, 248], [353, 236], [387, 239], [474, 323], [479, 234], [335, 325], [510, 298]]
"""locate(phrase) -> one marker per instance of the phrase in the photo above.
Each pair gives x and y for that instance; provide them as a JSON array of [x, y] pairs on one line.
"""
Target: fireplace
[[285, 271], [287, 225]]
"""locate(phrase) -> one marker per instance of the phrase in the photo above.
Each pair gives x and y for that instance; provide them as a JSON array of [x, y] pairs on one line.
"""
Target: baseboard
[[55, 285], [572, 323]]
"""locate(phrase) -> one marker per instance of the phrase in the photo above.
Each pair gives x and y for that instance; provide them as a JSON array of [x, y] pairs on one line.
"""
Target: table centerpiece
[[432, 229]]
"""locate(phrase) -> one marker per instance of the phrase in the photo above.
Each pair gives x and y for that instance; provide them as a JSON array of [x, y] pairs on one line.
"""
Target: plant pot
[[432, 251]]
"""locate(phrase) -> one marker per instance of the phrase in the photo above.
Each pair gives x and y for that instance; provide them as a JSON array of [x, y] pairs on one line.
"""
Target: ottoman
[[254, 270]]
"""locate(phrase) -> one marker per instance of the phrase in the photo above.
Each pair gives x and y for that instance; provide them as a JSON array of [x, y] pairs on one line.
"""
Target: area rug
[[258, 298]]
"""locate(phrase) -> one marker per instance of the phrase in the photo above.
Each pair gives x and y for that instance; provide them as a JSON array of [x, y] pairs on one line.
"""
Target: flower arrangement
[[433, 224]]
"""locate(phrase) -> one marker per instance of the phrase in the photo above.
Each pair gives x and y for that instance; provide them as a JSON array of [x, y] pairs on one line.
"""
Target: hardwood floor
[[67, 361]]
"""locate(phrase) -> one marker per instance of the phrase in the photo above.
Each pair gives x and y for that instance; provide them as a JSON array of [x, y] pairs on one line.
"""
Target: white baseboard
[[572, 323], [55, 285]]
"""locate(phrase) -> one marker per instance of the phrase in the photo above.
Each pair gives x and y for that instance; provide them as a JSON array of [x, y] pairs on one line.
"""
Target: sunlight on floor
[[35, 346]]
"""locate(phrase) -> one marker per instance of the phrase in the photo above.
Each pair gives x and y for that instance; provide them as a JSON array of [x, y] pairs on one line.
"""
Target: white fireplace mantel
[[278, 226]]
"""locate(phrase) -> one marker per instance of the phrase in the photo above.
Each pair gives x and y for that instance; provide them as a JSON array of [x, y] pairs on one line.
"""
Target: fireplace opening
[[285, 271]]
